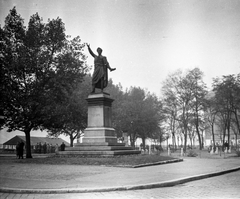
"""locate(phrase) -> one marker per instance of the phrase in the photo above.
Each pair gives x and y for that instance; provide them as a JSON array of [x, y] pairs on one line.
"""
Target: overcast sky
[[148, 39]]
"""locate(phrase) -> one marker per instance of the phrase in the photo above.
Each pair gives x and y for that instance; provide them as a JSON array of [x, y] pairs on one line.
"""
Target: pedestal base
[[99, 134], [99, 137], [99, 149]]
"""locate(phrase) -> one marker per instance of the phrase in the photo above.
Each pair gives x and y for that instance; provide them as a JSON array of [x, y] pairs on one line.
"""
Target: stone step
[[99, 139], [100, 153], [98, 148], [99, 144]]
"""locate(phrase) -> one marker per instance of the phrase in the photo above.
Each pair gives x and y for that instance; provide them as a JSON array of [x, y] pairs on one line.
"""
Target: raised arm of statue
[[90, 50], [107, 64]]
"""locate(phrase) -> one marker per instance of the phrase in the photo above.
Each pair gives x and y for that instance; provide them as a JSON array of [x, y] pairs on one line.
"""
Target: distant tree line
[[190, 109], [223, 108]]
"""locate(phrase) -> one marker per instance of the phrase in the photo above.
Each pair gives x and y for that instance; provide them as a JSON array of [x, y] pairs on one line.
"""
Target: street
[[223, 186]]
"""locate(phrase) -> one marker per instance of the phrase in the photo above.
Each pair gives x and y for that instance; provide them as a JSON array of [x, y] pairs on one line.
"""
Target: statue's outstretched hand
[[112, 69]]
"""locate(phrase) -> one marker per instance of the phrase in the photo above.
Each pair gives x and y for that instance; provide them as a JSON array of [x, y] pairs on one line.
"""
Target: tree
[[210, 114], [170, 111], [199, 93], [70, 117], [116, 92], [149, 117], [40, 67], [132, 116], [183, 100], [138, 113], [227, 92]]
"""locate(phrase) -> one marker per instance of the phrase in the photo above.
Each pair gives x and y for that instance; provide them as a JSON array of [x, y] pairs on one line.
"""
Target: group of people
[[224, 147], [44, 148], [48, 148], [39, 148]]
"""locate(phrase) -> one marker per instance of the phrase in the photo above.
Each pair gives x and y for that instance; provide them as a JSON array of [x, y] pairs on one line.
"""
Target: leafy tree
[[210, 114], [132, 112], [138, 113], [40, 67], [170, 108], [227, 92], [70, 117], [151, 118], [116, 92], [183, 101], [198, 103]]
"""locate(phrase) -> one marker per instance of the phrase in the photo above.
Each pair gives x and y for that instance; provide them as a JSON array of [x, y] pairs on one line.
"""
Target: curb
[[122, 188], [158, 163], [150, 164]]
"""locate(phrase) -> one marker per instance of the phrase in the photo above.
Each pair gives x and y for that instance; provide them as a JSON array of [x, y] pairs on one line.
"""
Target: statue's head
[[99, 50]]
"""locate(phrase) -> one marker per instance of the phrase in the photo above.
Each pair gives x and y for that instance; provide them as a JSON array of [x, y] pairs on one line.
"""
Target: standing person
[[17, 149], [45, 148], [48, 148], [62, 146], [37, 148], [100, 74], [40, 147], [21, 149], [51, 148], [56, 148]]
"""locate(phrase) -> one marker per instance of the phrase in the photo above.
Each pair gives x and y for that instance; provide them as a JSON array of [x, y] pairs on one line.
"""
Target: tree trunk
[[223, 138], [236, 140], [185, 139], [143, 142], [174, 141], [28, 143], [199, 137], [228, 129], [191, 141], [197, 130], [132, 140], [213, 136], [71, 140]]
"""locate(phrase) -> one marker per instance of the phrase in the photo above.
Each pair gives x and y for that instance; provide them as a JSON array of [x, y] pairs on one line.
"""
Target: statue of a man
[[101, 66]]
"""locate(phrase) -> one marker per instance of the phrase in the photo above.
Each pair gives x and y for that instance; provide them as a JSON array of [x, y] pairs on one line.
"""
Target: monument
[[99, 136]]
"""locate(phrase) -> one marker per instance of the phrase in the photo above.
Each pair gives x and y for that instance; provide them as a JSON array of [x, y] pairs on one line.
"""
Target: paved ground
[[76, 179], [225, 186]]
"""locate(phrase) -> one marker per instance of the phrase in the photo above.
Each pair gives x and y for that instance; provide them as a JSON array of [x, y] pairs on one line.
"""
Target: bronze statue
[[100, 74]]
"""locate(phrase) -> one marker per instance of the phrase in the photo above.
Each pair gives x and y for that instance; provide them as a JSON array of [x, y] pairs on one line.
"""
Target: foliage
[[142, 114], [227, 104], [40, 69], [70, 117], [192, 153], [118, 95], [183, 97], [238, 152], [135, 111]]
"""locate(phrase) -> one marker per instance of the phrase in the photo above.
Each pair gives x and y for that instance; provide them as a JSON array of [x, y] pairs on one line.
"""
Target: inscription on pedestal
[[95, 116]]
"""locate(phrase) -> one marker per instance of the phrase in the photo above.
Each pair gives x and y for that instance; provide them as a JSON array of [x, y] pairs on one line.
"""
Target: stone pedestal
[[99, 136]]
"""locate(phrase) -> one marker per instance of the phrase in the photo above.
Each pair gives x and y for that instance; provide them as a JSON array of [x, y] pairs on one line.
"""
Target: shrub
[[238, 152], [192, 153]]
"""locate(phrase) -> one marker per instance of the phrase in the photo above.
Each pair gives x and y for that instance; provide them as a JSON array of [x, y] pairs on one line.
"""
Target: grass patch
[[126, 160]]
